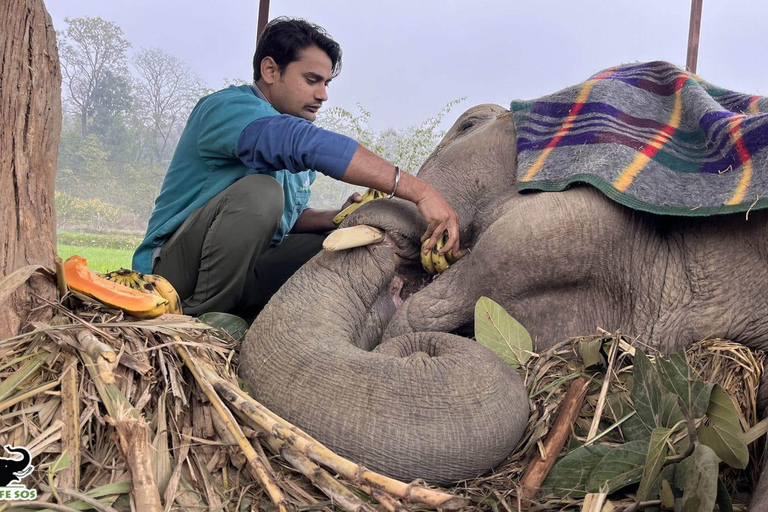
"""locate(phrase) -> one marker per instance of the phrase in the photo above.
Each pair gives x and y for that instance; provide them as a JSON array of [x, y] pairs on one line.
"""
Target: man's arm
[[315, 221], [286, 142], [321, 221]]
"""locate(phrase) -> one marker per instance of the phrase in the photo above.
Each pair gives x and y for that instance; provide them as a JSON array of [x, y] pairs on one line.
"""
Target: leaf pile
[[659, 433]]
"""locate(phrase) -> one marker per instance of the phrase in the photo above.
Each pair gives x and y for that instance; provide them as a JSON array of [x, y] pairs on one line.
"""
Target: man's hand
[[368, 170], [354, 198], [440, 218]]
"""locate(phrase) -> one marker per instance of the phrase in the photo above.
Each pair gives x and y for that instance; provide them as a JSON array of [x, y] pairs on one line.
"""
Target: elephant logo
[[15, 470]]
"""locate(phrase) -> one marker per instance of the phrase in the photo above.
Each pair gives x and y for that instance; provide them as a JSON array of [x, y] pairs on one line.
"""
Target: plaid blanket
[[650, 136]]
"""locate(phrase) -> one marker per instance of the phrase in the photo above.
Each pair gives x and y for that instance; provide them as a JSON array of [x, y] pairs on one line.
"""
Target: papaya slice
[[81, 279]]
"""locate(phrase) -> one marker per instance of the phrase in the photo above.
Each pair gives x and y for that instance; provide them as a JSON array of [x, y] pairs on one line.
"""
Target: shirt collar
[[258, 93]]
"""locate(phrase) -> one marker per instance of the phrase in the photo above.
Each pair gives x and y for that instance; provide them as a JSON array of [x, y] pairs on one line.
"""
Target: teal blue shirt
[[233, 133]]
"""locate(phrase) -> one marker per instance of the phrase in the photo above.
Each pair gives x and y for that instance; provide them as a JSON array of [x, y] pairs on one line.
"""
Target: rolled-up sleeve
[[294, 144]]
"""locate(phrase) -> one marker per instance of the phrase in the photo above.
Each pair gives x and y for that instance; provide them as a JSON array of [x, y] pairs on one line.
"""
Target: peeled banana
[[147, 283], [435, 263], [369, 195]]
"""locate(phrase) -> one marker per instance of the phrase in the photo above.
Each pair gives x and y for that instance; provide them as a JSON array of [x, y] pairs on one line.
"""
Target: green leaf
[[657, 451], [671, 413], [700, 394], [62, 462], [666, 495], [621, 466], [634, 429], [498, 331], [724, 434], [231, 324], [699, 483], [646, 390], [569, 475], [723, 499], [675, 375], [590, 351]]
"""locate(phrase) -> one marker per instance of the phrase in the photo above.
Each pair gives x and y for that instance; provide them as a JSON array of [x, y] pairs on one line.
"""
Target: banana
[[369, 195], [426, 259], [436, 263], [147, 283], [163, 288]]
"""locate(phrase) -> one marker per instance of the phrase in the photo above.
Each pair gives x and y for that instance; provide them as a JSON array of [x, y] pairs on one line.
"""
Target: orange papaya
[[81, 279]]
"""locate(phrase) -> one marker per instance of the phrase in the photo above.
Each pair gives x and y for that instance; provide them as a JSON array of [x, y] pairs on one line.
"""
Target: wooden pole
[[263, 17], [693, 36]]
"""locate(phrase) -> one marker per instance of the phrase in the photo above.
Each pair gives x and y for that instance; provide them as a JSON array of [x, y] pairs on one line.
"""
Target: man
[[239, 180]]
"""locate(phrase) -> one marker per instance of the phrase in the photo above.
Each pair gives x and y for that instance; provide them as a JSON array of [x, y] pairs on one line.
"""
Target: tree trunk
[[30, 127]]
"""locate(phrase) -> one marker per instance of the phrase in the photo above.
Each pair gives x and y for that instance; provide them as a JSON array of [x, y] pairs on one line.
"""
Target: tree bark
[[30, 128]]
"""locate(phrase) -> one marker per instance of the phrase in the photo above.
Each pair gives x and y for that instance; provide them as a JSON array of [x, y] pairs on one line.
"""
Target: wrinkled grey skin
[[563, 264]]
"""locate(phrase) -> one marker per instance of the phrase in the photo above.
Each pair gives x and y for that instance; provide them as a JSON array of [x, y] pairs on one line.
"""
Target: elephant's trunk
[[422, 405]]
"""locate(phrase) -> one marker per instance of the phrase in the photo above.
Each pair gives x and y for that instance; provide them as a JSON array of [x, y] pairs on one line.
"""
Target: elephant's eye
[[466, 125]]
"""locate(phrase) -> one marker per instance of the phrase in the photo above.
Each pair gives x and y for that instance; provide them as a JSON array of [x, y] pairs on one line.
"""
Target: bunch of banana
[[147, 283], [435, 263], [369, 195]]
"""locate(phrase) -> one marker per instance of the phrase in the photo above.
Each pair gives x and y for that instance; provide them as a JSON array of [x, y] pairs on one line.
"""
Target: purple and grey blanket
[[650, 136]]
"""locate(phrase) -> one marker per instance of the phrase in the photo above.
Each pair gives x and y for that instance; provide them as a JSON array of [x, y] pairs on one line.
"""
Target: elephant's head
[[473, 168], [421, 405], [13, 469]]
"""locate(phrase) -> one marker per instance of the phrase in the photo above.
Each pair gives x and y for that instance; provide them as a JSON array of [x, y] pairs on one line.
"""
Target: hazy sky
[[404, 60]]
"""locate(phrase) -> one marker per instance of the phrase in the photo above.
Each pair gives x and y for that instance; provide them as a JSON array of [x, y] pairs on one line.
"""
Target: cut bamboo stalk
[[100, 352], [322, 455], [69, 477], [255, 464], [355, 236], [134, 443], [604, 391], [569, 411]]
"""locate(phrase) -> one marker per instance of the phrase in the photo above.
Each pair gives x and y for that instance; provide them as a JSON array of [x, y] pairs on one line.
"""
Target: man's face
[[301, 88]]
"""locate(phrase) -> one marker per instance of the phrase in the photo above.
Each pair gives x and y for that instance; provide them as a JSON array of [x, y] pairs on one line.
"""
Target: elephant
[[12, 470], [364, 350]]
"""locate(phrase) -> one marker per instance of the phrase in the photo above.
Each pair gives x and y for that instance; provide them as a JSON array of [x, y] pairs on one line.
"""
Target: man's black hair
[[284, 38]]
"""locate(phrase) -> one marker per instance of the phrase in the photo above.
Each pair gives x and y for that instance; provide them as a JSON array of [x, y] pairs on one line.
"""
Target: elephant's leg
[[444, 305]]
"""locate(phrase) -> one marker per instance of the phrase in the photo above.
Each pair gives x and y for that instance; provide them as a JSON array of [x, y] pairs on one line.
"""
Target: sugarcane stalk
[[69, 477], [134, 443], [569, 410], [388, 502], [603, 391], [61, 278], [340, 495], [255, 464], [100, 352], [322, 455], [236, 457]]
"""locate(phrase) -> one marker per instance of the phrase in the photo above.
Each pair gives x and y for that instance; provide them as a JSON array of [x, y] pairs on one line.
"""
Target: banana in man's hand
[[369, 195], [435, 263]]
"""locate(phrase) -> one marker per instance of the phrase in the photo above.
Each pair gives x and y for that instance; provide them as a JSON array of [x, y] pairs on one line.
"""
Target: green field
[[104, 251], [99, 259]]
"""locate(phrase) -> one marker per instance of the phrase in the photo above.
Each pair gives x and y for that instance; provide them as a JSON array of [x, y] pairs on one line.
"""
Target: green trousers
[[220, 258]]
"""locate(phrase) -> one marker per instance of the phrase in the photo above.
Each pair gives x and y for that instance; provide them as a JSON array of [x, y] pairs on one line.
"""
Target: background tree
[[93, 66], [166, 90], [407, 148], [30, 116]]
